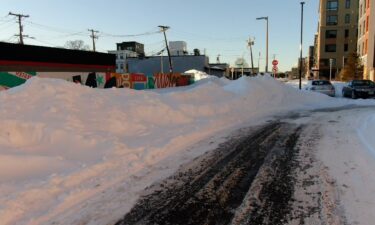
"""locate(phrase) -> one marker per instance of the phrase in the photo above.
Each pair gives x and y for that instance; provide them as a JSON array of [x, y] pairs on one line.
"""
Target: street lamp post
[[300, 49], [265, 18]]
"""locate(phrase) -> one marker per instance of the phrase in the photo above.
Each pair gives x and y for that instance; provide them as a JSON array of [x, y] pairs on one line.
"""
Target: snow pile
[[75, 155], [338, 87], [365, 133], [198, 75]]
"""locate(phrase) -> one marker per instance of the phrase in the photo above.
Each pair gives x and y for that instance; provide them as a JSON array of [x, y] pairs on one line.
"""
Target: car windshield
[[321, 82], [363, 83]]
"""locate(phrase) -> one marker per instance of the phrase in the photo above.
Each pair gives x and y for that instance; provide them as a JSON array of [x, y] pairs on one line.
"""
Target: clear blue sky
[[216, 26]]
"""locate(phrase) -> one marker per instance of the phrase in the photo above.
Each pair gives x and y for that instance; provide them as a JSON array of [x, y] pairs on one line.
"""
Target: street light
[[300, 49], [265, 18]]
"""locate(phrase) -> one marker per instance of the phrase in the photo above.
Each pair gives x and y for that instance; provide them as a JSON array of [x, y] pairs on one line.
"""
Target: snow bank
[[72, 154], [198, 75], [366, 132]]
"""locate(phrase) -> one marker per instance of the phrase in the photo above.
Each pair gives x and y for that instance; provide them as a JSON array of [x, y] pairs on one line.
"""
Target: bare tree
[[77, 45]]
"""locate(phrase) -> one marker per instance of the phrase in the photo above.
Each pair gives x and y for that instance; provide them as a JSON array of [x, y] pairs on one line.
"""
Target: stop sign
[[275, 62]]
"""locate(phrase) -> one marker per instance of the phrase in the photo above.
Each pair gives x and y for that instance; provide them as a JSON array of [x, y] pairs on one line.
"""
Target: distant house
[[218, 69]]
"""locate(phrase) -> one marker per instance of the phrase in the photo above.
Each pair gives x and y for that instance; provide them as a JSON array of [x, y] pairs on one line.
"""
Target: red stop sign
[[275, 62]]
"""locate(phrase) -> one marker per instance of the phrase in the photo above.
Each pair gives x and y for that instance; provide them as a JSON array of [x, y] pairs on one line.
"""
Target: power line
[[129, 35], [20, 16]]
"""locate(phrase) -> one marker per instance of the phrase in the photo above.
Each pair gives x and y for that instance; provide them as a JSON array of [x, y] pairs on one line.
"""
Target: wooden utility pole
[[163, 29], [250, 43], [93, 36], [20, 16]]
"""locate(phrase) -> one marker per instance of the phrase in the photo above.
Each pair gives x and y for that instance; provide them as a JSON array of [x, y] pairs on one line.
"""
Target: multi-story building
[[125, 50], [337, 35], [366, 37], [310, 62]]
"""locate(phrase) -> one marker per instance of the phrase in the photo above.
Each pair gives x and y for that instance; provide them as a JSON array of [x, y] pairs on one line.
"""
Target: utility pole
[[250, 43], [163, 29], [259, 63], [93, 36], [20, 16]]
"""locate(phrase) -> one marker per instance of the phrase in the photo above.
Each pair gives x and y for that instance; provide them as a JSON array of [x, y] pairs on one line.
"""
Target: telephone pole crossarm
[[20, 16], [163, 29], [250, 43], [93, 36]]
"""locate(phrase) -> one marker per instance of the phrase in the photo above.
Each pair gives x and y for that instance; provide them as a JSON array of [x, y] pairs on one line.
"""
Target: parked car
[[359, 89], [321, 86]]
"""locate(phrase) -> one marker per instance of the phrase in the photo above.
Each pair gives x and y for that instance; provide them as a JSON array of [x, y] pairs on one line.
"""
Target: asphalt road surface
[[262, 175]]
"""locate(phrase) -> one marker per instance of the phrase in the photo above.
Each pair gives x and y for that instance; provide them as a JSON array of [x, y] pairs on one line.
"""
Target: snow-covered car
[[321, 86], [359, 89]]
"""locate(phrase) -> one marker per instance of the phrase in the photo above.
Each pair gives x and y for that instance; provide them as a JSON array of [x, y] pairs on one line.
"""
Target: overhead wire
[[103, 34]]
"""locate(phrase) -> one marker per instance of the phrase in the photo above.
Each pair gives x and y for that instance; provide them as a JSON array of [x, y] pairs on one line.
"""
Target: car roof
[[314, 81]]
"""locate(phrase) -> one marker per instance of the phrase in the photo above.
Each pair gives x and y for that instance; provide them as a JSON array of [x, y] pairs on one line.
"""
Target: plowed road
[[264, 175]]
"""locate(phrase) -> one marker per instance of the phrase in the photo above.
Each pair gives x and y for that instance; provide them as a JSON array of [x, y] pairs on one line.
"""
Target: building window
[[332, 5], [347, 4], [346, 33], [347, 18], [330, 48], [331, 33], [346, 47], [332, 20], [324, 62], [367, 20]]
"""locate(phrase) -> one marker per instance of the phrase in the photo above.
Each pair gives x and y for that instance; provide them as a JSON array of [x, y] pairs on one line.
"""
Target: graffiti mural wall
[[136, 81], [12, 79], [163, 80]]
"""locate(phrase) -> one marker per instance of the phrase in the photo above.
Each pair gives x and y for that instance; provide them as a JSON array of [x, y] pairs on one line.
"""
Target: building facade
[[125, 50], [310, 63], [19, 63], [160, 64], [366, 37], [337, 36]]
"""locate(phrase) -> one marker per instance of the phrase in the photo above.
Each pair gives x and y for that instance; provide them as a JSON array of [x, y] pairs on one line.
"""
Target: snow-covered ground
[[347, 149], [75, 155]]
